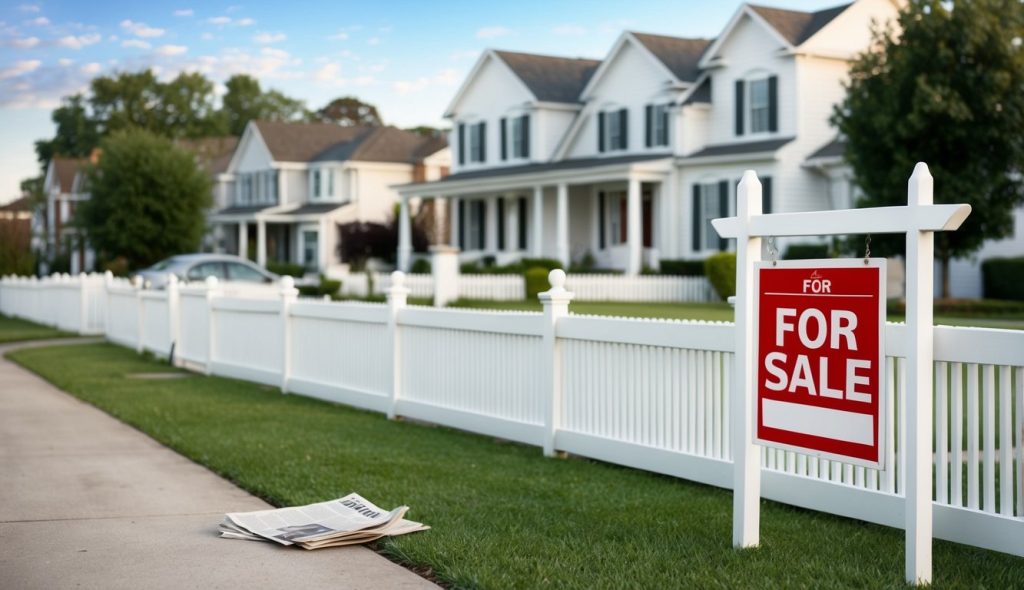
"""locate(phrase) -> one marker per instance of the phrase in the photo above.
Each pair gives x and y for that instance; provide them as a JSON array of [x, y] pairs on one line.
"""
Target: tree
[[76, 131], [427, 131], [125, 100], [187, 108], [948, 90], [245, 101], [148, 199], [349, 111]]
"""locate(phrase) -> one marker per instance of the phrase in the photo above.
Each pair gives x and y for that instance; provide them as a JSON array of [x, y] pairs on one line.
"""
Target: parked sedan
[[196, 267]]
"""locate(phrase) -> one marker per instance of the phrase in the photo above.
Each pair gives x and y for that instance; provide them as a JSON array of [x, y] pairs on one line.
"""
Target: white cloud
[[266, 38], [19, 68], [446, 78], [169, 50], [219, 20], [64, 62], [91, 68], [184, 12], [328, 73], [137, 43], [340, 36], [206, 37], [245, 22], [78, 42], [569, 30], [29, 8], [141, 29], [373, 41], [26, 43], [275, 53], [113, 38], [40, 21], [492, 32]]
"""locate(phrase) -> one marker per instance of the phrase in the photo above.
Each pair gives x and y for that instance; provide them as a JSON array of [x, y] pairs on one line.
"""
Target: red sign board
[[820, 358]]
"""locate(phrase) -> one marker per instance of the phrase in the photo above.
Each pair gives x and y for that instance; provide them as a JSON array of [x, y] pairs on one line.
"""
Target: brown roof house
[[292, 184], [213, 154], [57, 241]]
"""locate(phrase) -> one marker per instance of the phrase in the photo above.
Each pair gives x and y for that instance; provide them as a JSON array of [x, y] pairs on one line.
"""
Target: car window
[[199, 272], [242, 272]]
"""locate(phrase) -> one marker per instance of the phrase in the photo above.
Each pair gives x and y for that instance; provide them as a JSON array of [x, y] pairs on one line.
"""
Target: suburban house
[[54, 233], [214, 154], [294, 183], [16, 224], [624, 161]]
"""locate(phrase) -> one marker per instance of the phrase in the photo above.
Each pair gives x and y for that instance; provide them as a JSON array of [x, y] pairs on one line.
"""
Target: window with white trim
[[759, 106], [710, 209]]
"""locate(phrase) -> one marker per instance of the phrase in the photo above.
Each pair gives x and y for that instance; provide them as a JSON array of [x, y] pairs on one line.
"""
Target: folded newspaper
[[346, 521]]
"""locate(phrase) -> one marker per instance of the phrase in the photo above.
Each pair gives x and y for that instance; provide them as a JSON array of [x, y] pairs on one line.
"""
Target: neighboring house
[[55, 236], [214, 155], [294, 183], [16, 221], [629, 158]]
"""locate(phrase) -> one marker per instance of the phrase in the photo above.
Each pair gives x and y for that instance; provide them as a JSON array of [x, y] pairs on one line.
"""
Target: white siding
[[850, 32]]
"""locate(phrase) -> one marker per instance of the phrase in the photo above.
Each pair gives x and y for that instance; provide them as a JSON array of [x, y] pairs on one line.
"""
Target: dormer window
[[757, 108], [612, 130]]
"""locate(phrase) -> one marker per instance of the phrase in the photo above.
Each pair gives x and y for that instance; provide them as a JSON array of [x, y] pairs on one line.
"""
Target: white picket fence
[[648, 394], [587, 287]]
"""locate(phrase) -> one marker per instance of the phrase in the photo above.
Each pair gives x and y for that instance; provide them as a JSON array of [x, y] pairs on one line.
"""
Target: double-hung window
[[612, 130], [759, 106], [521, 137], [477, 140], [657, 125], [316, 183]]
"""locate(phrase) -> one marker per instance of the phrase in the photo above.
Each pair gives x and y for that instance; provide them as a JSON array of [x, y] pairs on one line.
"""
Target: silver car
[[196, 267]]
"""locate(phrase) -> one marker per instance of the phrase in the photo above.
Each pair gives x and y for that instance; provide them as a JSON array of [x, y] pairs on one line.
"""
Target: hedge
[[683, 268], [1003, 278], [721, 271]]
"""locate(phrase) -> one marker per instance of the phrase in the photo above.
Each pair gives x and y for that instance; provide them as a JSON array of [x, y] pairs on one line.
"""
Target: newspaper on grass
[[346, 521]]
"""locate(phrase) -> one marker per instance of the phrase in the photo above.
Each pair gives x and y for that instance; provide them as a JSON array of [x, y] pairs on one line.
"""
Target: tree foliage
[[349, 111], [77, 134], [245, 101], [945, 87], [148, 199]]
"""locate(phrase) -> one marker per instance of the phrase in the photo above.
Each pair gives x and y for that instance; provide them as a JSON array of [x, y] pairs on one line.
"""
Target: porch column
[[440, 207], [538, 221], [491, 222], [261, 242], [563, 224], [404, 235], [512, 227], [634, 237], [453, 229], [243, 238]]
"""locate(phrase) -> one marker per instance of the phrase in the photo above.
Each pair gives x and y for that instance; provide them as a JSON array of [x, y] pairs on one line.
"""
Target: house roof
[[320, 142], [550, 78], [213, 153], [65, 170], [20, 204], [797, 26], [679, 55], [736, 149], [573, 164], [241, 209], [833, 149], [700, 94], [314, 208], [302, 142]]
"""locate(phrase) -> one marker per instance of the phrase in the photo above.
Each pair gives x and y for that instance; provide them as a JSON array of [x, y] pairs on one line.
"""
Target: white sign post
[[918, 220]]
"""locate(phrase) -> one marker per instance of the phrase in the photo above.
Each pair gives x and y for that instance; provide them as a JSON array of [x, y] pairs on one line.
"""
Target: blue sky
[[406, 57]]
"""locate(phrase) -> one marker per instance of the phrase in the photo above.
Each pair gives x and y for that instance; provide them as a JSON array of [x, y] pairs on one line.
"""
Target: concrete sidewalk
[[88, 502]]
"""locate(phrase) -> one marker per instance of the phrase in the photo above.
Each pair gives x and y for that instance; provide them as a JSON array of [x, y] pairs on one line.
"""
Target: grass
[[503, 516], [17, 330]]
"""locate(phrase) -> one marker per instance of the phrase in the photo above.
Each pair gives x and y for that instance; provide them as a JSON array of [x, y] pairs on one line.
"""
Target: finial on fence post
[[556, 305]]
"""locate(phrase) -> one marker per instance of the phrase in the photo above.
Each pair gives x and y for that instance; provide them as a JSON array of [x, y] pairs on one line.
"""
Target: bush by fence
[[1003, 278]]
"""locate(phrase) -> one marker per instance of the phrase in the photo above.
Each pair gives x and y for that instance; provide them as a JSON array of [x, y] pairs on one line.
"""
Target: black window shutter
[[522, 223], [602, 238], [623, 128], [462, 143], [723, 206], [501, 224], [648, 125], [697, 221], [663, 140], [766, 194], [600, 131], [483, 141], [773, 103], [526, 136], [739, 107], [504, 138], [462, 224]]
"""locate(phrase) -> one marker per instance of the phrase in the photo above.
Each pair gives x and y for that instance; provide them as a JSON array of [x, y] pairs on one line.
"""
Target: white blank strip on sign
[[824, 422]]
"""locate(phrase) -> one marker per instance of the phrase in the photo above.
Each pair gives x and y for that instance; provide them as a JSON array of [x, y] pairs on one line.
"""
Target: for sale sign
[[820, 358]]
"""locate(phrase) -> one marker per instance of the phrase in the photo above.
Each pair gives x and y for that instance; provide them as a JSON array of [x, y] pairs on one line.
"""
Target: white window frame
[[518, 137], [660, 135], [315, 181], [476, 139], [761, 112], [709, 209], [612, 127]]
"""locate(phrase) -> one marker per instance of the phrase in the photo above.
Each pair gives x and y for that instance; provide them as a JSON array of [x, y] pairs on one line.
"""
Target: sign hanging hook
[[867, 248], [773, 252]]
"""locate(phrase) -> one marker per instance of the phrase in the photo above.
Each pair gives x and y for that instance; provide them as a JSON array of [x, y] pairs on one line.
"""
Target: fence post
[[556, 305], [211, 324], [173, 323], [398, 295], [83, 304], [445, 267], [108, 282], [288, 296]]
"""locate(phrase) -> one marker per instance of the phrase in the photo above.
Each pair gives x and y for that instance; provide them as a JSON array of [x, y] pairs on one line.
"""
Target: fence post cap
[[211, 282], [557, 279], [397, 279], [287, 282], [172, 279]]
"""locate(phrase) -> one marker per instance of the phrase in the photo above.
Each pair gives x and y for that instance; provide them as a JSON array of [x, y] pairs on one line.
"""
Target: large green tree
[[148, 199], [349, 111], [76, 131], [245, 101], [946, 87]]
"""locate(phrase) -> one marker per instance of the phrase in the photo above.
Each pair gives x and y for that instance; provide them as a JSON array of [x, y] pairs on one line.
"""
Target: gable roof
[[550, 78], [679, 55], [213, 153], [65, 170], [383, 144], [797, 26], [302, 142]]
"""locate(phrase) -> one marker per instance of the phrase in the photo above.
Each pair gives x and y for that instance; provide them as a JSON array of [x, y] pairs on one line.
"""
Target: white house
[[628, 158], [54, 233], [293, 183]]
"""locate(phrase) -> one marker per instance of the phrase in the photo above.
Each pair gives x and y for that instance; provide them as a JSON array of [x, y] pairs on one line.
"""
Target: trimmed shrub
[[683, 268], [1003, 278], [421, 267], [536, 281], [806, 251], [286, 269], [547, 263], [978, 308], [721, 271], [324, 287]]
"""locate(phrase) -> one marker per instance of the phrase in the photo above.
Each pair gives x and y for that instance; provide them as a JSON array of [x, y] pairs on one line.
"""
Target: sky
[[406, 57]]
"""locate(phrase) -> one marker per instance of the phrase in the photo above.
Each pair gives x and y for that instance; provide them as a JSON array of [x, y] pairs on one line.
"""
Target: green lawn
[[16, 330], [503, 516]]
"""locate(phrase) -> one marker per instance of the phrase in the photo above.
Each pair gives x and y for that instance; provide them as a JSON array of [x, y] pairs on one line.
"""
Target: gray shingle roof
[[796, 26], [549, 78], [572, 164], [737, 149], [213, 153], [679, 55], [318, 142], [833, 149], [701, 94]]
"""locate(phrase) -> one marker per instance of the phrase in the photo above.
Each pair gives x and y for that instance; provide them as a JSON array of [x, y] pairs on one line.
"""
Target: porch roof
[[728, 152], [572, 171], [276, 213]]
